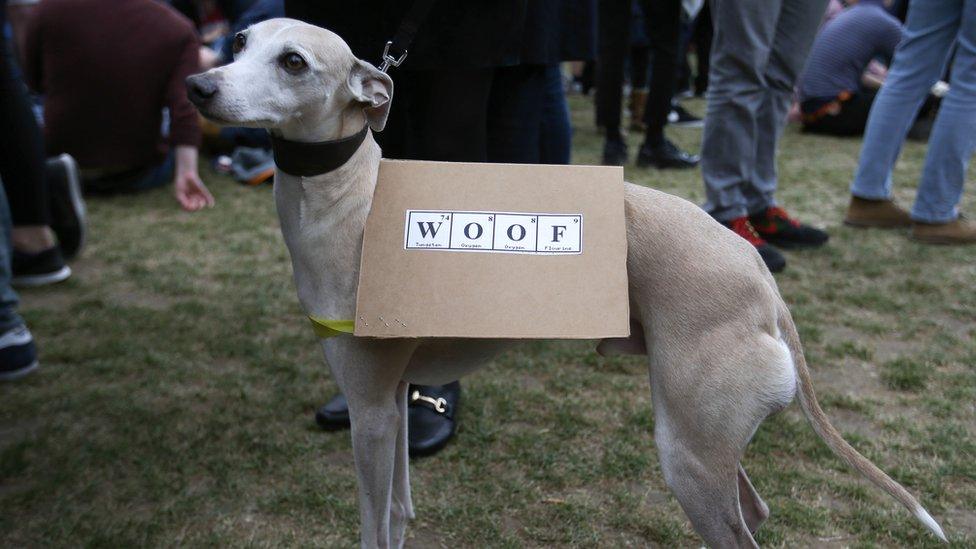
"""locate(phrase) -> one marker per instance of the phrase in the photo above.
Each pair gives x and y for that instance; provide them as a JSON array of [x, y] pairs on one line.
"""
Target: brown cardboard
[[564, 292]]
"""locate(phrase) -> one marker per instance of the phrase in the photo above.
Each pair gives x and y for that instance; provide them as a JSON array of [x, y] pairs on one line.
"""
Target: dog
[[723, 352]]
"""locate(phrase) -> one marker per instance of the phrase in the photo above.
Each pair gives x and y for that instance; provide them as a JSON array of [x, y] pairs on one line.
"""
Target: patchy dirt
[[960, 521]]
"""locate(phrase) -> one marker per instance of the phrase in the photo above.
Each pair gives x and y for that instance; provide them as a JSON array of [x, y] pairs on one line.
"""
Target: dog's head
[[291, 77]]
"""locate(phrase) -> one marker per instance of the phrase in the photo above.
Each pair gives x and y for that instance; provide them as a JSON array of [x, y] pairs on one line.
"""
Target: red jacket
[[107, 68]]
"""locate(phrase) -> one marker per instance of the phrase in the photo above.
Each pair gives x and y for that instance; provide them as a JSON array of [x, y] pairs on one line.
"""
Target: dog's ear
[[373, 88]]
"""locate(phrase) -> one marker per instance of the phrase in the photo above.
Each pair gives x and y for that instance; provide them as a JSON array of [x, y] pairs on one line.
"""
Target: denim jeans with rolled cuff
[[934, 30]]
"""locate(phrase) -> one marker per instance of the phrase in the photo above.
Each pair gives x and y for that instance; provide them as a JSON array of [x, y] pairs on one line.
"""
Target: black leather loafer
[[431, 412], [334, 416]]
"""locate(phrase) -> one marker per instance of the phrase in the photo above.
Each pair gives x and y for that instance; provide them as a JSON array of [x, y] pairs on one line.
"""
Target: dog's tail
[[822, 426]]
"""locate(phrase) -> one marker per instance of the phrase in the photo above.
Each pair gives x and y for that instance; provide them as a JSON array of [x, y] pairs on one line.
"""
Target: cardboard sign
[[494, 251]]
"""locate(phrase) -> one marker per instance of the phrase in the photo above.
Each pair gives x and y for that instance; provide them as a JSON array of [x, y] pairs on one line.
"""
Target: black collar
[[308, 159]]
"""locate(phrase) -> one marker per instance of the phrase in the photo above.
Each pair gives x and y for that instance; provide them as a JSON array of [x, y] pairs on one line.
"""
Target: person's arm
[[189, 189]]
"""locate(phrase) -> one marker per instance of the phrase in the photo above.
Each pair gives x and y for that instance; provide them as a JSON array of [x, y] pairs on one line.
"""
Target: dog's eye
[[293, 62], [239, 42]]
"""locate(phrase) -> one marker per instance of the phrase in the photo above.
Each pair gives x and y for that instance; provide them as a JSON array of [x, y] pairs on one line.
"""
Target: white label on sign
[[499, 232]]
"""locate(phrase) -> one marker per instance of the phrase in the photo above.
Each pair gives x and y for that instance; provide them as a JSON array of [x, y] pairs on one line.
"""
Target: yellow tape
[[326, 328]]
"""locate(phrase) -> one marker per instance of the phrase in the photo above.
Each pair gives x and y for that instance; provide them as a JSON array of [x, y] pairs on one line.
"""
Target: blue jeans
[[141, 179], [8, 297], [528, 119], [932, 29]]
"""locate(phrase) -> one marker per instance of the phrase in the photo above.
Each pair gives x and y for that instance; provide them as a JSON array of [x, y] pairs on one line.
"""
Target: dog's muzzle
[[201, 89]]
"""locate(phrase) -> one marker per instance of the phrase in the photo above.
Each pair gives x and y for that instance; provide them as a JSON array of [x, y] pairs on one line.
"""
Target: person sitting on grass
[[836, 89], [105, 85]]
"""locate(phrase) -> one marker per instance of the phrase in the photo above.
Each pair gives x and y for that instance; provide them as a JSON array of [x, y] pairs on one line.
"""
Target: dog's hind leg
[[754, 509], [702, 476], [709, 398], [402, 508]]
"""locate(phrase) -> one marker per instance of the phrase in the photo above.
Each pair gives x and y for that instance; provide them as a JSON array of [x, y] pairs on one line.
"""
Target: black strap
[[308, 159], [396, 49]]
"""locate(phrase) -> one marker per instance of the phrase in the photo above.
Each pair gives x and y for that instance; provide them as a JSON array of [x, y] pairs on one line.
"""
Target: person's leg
[[953, 137], [682, 81], [21, 146], [663, 29], [155, 176], [613, 43], [744, 33], [22, 155], [18, 356], [796, 28], [640, 59], [35, 258], [639, 66], [9, 318], [919, 62], [515, 111], [556, 141], [849, 121], [449, 116], [702, 38], [664, 32]]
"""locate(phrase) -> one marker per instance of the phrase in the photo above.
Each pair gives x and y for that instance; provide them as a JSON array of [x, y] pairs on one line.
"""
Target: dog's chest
[[323, 237]]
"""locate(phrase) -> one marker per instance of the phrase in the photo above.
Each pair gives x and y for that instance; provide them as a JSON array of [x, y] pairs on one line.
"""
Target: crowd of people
[[101, 108]]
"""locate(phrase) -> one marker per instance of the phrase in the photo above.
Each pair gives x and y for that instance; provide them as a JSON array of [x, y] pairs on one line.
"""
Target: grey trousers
[[759, 49]]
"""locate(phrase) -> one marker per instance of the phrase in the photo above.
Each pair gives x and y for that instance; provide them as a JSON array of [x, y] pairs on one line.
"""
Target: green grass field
[[178, 381]]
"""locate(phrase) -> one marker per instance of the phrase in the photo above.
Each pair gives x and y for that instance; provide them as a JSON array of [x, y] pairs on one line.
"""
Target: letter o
[[467, 231], [512, 236]]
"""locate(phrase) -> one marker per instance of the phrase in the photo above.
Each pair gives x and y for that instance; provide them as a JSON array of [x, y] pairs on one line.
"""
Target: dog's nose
[[200, 88]]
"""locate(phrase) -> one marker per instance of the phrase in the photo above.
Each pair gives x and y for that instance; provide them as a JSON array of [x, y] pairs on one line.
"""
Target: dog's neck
[[316, 126], [322, 221]]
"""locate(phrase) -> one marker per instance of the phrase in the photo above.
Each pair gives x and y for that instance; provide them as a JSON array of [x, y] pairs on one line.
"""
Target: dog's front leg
[[402, 506], [369, 372]]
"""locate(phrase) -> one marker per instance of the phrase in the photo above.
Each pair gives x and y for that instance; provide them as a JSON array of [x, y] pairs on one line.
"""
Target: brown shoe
[[957, 231], [638, 103], [882, 214]]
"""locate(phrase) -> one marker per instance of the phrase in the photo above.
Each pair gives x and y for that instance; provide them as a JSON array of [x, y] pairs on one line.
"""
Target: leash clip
[[389, 60]]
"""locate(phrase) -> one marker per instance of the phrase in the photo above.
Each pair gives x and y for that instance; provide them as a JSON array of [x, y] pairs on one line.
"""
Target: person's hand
[[191, 193]]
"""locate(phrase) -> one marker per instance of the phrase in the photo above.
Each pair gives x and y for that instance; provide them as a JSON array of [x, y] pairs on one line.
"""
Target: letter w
[[430, 228]]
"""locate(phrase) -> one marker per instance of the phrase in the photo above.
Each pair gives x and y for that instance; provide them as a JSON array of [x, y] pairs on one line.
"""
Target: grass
[[174, 403]]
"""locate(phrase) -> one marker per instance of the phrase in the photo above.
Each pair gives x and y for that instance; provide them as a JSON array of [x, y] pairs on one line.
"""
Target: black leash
[[396, 50], [310, 159]]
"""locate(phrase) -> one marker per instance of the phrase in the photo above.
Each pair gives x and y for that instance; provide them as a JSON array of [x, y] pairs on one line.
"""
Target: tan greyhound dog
[[722, 349]]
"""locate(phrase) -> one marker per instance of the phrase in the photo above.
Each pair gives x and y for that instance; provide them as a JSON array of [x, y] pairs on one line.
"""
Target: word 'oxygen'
[[498, 232]]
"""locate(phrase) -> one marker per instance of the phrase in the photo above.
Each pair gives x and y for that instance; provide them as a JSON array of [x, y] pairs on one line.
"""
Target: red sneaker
[[774, 260], [778, 228]]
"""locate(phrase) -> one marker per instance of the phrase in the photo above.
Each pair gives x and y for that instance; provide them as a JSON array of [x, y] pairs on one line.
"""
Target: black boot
[[614, 152]]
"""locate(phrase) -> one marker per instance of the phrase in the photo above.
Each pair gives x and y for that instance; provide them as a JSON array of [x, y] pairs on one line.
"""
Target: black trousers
[[438, 115], [613, 43], [701, 37], [663, 18], [21, 146], [850, 120]]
